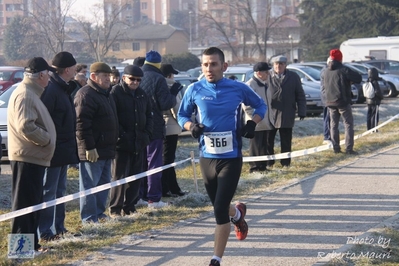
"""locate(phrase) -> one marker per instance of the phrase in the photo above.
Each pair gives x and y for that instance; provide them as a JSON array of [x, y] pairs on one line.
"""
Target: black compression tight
[[221, 178]]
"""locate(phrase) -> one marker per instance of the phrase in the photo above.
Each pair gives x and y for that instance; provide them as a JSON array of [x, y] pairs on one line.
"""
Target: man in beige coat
[[257, 145], [31, 144]]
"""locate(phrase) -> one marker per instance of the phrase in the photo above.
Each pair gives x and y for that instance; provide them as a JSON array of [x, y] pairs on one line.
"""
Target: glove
[[176, 87], [301, 118], [196, 130], [92, 155], [248, 131]]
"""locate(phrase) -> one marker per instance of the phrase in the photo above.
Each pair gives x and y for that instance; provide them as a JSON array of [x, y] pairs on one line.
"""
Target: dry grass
[[307, 134]]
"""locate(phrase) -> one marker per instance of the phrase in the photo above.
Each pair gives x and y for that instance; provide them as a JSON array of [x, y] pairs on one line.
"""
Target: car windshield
[[314, 73], [5, 97], [367, 66], [5, 75], [356, 69]]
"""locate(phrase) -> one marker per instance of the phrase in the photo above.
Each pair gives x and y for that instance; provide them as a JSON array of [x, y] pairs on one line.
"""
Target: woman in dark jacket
[[373, 103]]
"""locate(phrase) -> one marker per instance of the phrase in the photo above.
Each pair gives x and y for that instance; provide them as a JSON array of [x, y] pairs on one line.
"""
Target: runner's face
[[213, 67]]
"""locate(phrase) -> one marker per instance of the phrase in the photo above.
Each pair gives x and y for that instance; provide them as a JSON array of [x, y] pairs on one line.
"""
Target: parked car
[[306, 73], [4, 98], [184, 80], [383, 85], [194, 72], [10, 75], [242, 74], [391, 79], [312, 91], [314, 106], [310, 74], [388, 66]]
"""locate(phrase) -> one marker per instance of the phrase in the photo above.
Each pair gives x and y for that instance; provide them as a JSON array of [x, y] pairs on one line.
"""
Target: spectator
[[133, 108], [286, 93], [97, 133], [218, 122], [80, 80], [336, 88], [115, 76], [154, 84], [170, 187], [373, 103], [326, 113], [31, 139], [81, 68], [139, 61], [57, 99], [258, 145]]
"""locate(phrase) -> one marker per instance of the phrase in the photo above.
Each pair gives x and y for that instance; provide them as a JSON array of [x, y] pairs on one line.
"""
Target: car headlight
[[307, 95], [396, 79]]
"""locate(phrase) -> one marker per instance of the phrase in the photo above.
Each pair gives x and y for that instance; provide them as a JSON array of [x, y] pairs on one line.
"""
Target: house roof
[[150, 32], [287, 22]]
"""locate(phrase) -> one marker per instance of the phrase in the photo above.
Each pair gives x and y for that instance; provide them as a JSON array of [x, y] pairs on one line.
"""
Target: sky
[[80, 7]]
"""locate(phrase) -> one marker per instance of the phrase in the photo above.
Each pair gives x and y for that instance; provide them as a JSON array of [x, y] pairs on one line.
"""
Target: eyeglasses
[[134, 79]]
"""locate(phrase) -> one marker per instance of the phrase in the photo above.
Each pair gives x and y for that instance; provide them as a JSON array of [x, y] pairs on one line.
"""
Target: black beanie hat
[[133, 71], [63, 60]]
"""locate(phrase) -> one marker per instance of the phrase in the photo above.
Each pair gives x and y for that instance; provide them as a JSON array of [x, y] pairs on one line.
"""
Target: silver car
[[391, 79], [4, 98]]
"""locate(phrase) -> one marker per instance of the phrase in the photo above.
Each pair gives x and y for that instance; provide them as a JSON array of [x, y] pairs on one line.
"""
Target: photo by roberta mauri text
[[379, 241]]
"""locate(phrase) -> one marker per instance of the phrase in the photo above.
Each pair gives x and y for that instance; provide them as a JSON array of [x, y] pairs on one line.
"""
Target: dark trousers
[[27, 190], [169, 180], [346, 113], [372, 116], [326, 123], [154, 181], [285, 142], [258, 147], [122, 197]]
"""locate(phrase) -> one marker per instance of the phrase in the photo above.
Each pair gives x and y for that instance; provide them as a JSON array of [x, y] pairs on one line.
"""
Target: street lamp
[[292, 50], [189, 17]]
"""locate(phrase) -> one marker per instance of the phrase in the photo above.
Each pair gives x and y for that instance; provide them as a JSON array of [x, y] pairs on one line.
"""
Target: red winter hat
[[336, 55]]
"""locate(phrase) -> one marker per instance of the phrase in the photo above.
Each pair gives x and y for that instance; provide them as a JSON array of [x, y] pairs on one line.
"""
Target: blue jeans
[[54, 186], [92, 207], [326, 124]]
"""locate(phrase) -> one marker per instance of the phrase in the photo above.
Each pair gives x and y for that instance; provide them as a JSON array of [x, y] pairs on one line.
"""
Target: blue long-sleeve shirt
[[218, 108]]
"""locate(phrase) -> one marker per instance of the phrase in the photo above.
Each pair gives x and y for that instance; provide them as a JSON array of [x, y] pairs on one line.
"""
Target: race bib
[[218, 142]]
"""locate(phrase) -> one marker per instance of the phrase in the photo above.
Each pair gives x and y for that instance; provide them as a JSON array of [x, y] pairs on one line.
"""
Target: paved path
[[293, 225]]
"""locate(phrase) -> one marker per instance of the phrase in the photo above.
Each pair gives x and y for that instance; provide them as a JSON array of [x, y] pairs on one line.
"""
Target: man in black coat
[[284, 94], [134, 111], [97, 133], [162, 99], [57, 98], [336, 82]]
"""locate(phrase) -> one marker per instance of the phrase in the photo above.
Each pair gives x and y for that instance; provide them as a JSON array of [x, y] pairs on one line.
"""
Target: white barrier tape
[[308, 151], [86, 192], [90, 191]]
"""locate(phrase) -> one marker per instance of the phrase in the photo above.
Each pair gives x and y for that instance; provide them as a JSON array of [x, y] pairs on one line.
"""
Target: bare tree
[[50, 18], [103, 29], [247, 29]]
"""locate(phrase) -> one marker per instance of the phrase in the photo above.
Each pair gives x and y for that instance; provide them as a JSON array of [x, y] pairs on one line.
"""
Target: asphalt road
[[300, 224]]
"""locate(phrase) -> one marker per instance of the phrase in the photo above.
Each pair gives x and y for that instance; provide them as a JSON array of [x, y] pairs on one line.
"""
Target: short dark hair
[[214, 50], [79, 67]]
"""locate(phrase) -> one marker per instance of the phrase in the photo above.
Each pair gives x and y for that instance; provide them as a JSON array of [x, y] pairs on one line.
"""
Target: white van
[[382, 47]]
